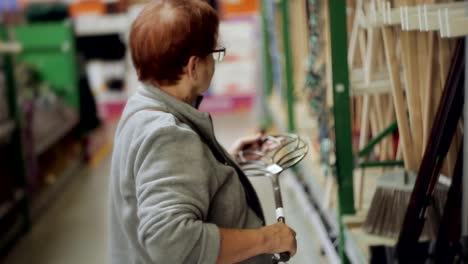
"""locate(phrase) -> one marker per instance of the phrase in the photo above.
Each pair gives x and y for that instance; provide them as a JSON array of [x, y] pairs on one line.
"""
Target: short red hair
[[167, 33]]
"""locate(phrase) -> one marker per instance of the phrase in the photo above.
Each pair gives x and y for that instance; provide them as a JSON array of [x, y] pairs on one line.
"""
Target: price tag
[[274, 169]]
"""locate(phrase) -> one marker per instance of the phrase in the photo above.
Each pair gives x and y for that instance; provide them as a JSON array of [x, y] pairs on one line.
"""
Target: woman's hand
[[238, 245], [279, 238], [251, 142], [258, 142]]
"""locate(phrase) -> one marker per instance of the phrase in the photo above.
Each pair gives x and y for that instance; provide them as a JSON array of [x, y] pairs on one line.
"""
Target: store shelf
[[324, 220], [357, 240], [6, 128], [55, 135], [329, 218]]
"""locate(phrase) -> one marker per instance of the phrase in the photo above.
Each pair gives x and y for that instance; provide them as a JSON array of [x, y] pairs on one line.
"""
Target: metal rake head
[[277, 154]]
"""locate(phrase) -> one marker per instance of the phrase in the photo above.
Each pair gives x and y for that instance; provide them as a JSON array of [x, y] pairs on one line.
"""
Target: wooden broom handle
[[398, 97]]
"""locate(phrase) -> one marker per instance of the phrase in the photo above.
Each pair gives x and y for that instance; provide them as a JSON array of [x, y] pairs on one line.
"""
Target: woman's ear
[[192, 67]]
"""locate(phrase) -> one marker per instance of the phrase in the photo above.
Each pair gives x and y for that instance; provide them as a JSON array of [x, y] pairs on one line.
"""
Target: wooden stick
[[445, 54], [352, 50], [380, 124], [374, 125], [363, 134], [399, 154], [425, 69], [379, 98], [410, 66], [359, 111], [389, 118], [441, 77], [369, 63], [398, 97], [387, 103], [428, 90], [444, 60], [361, 182], [362, 45]]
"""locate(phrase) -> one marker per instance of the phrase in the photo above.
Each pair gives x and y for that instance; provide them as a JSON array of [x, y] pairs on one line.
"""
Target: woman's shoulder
[[151, 124]]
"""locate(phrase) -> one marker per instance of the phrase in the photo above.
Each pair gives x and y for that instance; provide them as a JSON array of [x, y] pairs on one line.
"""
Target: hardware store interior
[[349, 102]]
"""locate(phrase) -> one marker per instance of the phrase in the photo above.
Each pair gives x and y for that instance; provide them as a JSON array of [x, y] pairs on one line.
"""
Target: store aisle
[[74, 231]]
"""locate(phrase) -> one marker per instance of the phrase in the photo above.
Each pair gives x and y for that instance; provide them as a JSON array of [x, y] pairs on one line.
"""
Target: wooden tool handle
[[398, 97]]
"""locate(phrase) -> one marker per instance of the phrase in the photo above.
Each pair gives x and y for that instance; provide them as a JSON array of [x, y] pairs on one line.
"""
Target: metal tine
[[292, 152], [298, 155], [295, 152], [278, 139], [298, 149], [292, 140], [291, 162]]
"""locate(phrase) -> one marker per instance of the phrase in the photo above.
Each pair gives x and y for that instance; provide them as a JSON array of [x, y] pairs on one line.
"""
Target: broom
[[394, 188], [391, 198]]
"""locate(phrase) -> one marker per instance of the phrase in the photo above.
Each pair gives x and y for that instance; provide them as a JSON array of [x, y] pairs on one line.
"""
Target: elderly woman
[[176, 195]]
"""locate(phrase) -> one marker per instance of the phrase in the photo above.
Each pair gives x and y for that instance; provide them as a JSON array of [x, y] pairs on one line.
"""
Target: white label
[[274, 168], [279, 212], [339, 88]]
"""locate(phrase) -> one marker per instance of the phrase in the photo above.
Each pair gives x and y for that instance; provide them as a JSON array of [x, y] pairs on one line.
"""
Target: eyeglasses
[[219, 53]]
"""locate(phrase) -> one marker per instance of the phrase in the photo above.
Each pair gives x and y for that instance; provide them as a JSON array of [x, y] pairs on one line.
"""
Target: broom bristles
[[390, 201]]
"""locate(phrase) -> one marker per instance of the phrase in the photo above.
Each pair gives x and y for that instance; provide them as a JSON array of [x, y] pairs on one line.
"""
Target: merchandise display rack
[[339, 238], [20, 44], [16, 210]]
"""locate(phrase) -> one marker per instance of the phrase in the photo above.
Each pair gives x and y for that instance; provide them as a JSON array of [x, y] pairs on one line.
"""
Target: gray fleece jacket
[[172, 185]]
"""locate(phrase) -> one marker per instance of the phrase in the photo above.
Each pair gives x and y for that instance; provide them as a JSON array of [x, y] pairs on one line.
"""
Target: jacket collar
[[185, 112]]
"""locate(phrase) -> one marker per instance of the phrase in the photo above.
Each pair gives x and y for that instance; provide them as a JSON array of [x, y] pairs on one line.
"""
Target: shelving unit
[[54, 58], [340, 228], [14, 212]]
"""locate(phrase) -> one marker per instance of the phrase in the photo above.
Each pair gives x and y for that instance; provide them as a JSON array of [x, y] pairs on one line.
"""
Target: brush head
[[388, 207]]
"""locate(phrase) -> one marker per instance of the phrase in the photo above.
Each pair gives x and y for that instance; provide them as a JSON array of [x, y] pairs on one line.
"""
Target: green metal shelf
[[53, 56]]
